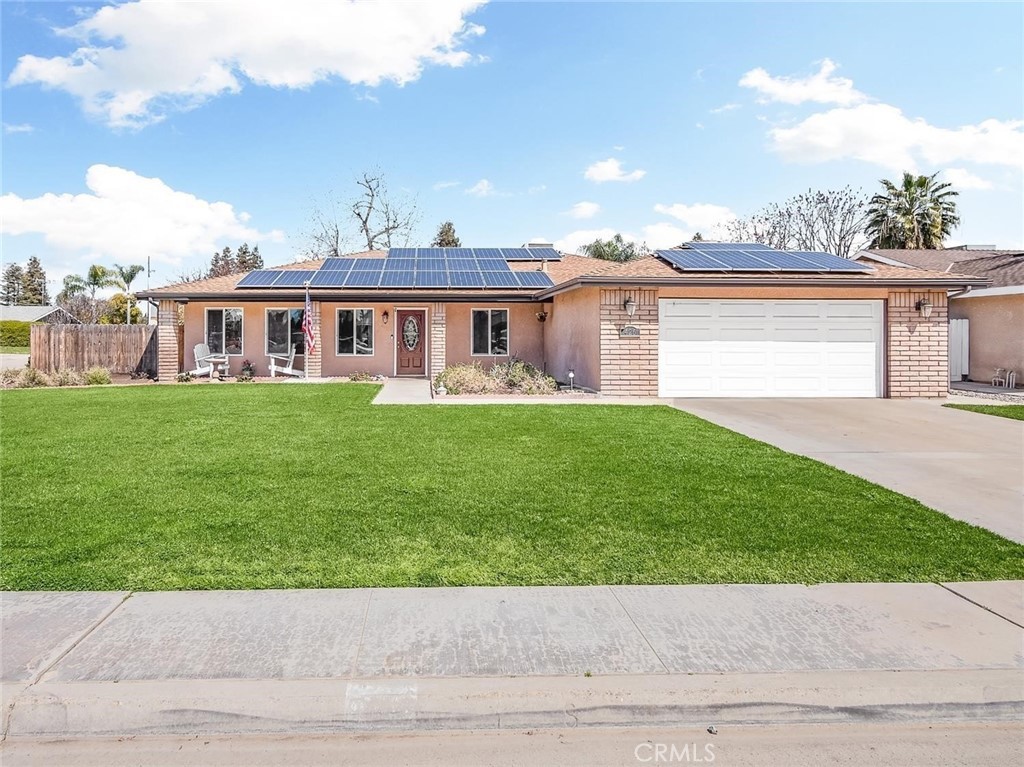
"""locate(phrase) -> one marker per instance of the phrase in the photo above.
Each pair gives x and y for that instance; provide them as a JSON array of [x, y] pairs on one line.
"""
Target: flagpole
[[308, 321]]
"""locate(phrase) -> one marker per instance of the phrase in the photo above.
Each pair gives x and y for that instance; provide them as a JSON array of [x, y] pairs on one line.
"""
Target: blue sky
[[167, 131]]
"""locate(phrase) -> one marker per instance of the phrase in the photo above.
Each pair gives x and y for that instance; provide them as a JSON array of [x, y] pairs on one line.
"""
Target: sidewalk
[[96, 664]]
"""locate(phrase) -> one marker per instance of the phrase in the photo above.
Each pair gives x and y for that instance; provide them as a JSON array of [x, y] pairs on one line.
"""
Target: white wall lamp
[[572, 376], [925, 307], [630, 306]]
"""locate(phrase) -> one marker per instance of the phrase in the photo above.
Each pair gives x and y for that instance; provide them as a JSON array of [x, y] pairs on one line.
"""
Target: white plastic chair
[[206, 363], [287, 368], [999, 379]]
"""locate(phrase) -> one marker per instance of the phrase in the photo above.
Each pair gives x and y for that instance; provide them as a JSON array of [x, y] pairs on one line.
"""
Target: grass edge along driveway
[[295, 486], [1015, 412]]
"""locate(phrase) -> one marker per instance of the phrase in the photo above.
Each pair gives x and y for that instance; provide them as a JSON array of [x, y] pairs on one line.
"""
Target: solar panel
[[402, 253], [742, 260], [691, 260], [492, 265], [463, 265], [546, 254], [429, 252], [392, 264], [328, 279], [472, 279], [533, 279], [485, 253], [431, 265], [293, 278], [367, 264], [261, 278], [363, 279], [431, 279], [831, 263], [712, 246], [500, 279], [337, 264], [517, 254], [397, 278], [787, 262]]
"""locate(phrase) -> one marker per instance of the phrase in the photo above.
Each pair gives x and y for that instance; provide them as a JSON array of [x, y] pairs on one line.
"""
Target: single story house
[[701, 320], [50, 315], [993, 334]]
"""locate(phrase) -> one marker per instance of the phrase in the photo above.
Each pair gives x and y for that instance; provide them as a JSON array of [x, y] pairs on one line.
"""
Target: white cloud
[[538, 189], [482, 188], [700, 217], [138, 61], [127, 217], [724, 108], [584, 210], [611, 170], [821, 87], [881, 134], [22, 128], [572, 242], [445, 185], [964, 179], [665, 235]]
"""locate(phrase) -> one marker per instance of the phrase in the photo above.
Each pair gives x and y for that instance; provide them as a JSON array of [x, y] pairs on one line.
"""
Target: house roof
[[569, 272], [1004, 268], [29, 313]]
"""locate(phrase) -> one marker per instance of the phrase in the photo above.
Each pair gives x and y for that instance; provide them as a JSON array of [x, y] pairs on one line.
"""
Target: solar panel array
[[754, 257], [427, 268]]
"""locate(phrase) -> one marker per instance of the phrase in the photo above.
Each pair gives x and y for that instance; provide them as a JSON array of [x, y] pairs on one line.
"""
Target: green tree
[[247, 260], [446, 237], [222, 264], [698, 237], [918, 214], [116, 312], [97, 278], [12, 284], [615, 249], [33, 284], [126, 276]]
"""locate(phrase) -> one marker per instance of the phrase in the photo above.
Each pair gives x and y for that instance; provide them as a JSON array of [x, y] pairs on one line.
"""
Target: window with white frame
[[490, 332], [224, 331], [355, 332], [284, 332]]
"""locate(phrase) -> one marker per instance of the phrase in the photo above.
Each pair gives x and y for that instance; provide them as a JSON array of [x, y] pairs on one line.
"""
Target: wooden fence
[[121, 348]]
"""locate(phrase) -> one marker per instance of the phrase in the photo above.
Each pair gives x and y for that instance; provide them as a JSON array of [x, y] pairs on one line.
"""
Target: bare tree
[[833, 221], [374, 219]]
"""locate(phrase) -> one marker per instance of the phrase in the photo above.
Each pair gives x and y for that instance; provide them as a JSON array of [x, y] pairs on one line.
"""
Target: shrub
[[15, 333], [515, 377], [360, 376], [97, 376], [8, 376], [30, 378], [66, 378], [185, 377]]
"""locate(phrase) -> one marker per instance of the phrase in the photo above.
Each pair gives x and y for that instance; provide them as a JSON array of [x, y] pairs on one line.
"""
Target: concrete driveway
[[967, 465], [13, 361]]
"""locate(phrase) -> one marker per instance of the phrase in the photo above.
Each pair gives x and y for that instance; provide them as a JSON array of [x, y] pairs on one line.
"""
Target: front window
[[490, 332], [355, 331], [284, 331], [224, 331]]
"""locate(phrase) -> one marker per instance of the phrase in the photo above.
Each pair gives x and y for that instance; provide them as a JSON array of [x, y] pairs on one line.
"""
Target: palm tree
[[127, 275], [918, 214], [97, 278]]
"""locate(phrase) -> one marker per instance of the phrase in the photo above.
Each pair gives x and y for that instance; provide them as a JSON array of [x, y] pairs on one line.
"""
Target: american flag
[[307, 325]]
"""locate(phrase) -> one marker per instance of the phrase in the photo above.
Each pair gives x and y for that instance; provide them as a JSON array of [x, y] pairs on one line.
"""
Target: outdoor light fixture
[[630, 306], [925, 307], [542, 316], [384, 316], [572, 375]]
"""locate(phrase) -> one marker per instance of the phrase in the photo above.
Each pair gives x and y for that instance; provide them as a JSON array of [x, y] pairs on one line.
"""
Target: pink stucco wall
[[996, 333], [525, 334], [572, 337]]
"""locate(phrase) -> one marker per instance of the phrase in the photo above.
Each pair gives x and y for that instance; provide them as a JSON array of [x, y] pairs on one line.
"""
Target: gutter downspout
[[959, 293]]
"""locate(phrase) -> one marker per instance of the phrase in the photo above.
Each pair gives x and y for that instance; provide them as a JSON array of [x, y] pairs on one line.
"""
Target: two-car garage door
[[754, 348]]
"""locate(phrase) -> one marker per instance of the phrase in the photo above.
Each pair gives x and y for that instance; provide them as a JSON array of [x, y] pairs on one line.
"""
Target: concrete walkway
[[967, 465], [13, 361], [90, 664], [404, 391]]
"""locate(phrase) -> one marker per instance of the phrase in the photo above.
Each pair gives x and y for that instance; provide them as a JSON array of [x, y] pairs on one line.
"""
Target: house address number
[[629, 331]]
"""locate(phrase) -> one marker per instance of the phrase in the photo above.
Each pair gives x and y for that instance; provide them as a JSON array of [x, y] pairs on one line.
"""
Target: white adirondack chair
[[206, 363], [287, 368]]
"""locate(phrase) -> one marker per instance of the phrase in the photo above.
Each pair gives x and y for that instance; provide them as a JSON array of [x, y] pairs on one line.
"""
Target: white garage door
[[750, 348]]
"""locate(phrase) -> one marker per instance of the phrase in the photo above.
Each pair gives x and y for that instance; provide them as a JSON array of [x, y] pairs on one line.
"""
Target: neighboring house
[[710, 320], [51, 315], [995, 313]]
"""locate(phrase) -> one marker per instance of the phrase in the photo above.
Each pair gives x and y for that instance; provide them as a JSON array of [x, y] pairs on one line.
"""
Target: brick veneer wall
[[438, 340], [918, 348], [314, 361], [167, 341], [629, 366]]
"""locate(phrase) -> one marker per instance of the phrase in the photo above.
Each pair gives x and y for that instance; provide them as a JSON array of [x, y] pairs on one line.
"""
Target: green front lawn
[[1006, 411], [274, 486]]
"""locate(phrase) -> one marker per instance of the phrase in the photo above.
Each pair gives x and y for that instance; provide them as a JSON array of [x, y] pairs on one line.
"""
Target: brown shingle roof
[[942, 260], [1005, 270]]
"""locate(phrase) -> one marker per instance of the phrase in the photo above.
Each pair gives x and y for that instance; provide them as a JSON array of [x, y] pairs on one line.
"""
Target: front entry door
[[410, 338]]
